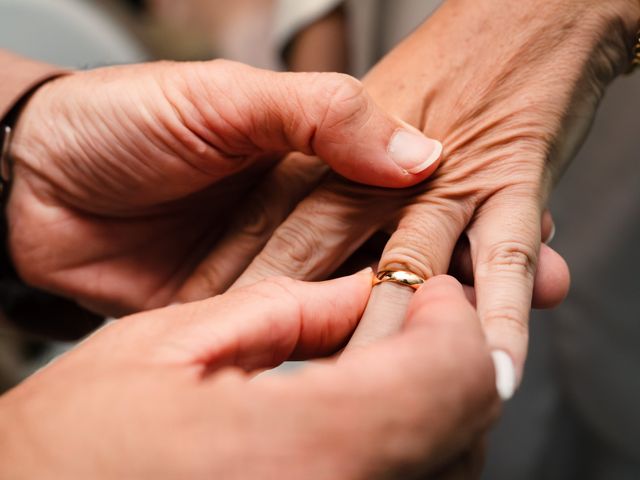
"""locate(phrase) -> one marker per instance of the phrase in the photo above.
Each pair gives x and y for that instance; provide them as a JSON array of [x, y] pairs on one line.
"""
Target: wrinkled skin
[[171, 393], [510, 89], [125, 177]]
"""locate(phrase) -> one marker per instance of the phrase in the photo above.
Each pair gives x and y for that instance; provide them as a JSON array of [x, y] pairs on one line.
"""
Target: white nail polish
[[412, 151], [505, 374], [552, 234]]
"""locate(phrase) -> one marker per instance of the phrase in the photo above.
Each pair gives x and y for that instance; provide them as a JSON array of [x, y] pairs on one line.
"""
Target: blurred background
[[577, 415]]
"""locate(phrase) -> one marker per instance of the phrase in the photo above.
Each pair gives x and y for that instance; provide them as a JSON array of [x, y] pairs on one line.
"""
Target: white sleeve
[[292, 16]]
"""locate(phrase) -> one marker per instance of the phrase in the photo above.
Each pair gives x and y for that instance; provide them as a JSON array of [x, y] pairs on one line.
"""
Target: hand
[[510, 89], [169, 393], [515, 130], [125, 177]]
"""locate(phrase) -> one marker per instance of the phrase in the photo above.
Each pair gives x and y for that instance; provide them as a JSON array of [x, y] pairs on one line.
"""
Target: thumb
[[325, 114], [442, 303], [259, 326]]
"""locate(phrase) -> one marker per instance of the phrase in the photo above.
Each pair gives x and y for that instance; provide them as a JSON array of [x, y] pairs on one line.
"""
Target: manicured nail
[[412, 151], [505, 374], [552, 234]]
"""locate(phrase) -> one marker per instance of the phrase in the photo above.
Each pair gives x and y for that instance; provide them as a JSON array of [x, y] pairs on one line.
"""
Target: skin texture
[[190, 370], [510, 89], [156, 183], [89, 184], [132, 174], [82, 199], [514, 132]]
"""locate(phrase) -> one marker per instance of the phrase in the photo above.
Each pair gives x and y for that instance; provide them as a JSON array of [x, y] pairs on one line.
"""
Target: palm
[[129, 262]]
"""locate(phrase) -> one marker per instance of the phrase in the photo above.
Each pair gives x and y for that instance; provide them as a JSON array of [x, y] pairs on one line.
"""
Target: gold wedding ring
[[400, 277]]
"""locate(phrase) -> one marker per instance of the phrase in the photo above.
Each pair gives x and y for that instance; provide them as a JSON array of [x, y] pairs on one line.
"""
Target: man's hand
[[126, 177], [170, 394]]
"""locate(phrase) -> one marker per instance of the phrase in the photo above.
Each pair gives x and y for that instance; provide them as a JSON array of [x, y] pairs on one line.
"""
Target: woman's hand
[[525, 90], [169, 393], [510, 88], [126, 177]]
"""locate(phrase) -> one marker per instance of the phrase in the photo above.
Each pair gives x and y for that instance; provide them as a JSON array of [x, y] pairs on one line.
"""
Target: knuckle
[[347, 101], [406, 251], [514, 257], [293, 248], [257, 221], [425, 238], [210, 279], [409, 259], [316, 238], [342, 86], [508, 322]]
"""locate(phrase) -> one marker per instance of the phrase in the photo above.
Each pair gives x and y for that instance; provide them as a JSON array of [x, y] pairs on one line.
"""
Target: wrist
[[20, 302], [12, 126]]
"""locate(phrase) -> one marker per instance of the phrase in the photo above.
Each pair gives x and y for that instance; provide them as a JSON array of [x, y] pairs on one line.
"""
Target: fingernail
[[412, 151], [552, 234], [505, 374]]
